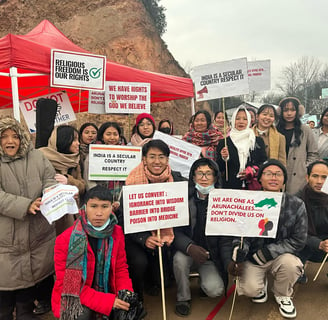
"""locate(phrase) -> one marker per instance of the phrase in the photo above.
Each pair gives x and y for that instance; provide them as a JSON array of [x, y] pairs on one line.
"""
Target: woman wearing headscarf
[[26, 238], [166, 126], [244, 153], [145, 129], [202, 133], [275, 143], [301, 145], [63, 153]]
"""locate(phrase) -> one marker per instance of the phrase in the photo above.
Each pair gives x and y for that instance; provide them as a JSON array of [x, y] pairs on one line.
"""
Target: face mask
[[165, 130], [103, 227], [204, 190]]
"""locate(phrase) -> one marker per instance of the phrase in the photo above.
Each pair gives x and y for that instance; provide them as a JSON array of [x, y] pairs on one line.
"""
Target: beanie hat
[[143, 116], [272, 162]]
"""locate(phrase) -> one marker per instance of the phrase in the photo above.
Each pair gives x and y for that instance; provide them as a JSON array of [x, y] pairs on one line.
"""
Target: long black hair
[[207, 117], [321, 117], [105, 126], [297, 122], [65, 137]]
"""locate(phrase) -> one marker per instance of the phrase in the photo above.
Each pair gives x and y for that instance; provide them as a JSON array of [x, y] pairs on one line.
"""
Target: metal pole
[[14, 90]]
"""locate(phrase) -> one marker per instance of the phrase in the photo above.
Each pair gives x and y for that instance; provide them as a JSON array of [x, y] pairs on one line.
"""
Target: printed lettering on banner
[[221, 79], [259, 75], [77, 70], [155, 206], [65, 112], [127, 97], [182, 154], [107, 162], [243, 213]]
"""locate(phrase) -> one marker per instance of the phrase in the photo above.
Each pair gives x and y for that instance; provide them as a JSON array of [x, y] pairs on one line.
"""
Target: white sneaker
[[286, 307], [263, 295]]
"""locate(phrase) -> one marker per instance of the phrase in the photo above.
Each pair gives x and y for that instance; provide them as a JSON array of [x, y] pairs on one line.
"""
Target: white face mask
[[99, 228], [204, 190]]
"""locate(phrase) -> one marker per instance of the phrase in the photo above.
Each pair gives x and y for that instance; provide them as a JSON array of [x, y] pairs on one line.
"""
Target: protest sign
[[243, 213], [59, 200], [96, 102], [259, 75], [155, 206], [221, 79], [65, 112], [77, 70], [127, 97], [182, 154], [325, 186], [108, 162]]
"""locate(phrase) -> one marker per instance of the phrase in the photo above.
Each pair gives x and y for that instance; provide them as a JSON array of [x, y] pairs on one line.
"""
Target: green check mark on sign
[[95, 73]]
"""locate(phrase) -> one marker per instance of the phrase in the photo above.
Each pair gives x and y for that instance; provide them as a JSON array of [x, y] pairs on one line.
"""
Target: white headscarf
[[244, 140]]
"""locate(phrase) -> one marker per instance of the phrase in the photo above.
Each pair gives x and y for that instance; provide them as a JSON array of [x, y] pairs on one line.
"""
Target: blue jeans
[[210, 279]]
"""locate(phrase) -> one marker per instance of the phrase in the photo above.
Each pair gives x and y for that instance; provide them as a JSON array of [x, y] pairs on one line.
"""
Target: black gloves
[[135, 310], [199, 254]]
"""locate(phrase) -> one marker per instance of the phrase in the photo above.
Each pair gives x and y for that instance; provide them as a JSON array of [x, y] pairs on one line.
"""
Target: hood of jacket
[[24, 137]]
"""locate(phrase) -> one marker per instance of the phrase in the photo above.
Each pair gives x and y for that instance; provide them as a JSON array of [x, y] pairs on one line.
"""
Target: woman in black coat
[[244, 153]]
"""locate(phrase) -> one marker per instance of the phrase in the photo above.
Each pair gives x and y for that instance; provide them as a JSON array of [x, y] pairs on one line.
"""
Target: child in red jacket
[[90, 264]]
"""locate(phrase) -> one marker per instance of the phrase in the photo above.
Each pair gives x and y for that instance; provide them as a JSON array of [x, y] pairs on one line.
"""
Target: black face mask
[[165, 130]]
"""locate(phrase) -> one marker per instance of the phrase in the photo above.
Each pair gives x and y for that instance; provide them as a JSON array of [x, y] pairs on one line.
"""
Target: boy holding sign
[[141, 247], [278, 255]]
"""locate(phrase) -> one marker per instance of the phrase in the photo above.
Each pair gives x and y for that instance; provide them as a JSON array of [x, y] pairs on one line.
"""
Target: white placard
[[182, 154], [96, 102], [59, 200], [221, 79], [108, 162], [325, 187], [127, 97], [65, 112], [155, 206], [77, 70], [259, 75], [243, 213]]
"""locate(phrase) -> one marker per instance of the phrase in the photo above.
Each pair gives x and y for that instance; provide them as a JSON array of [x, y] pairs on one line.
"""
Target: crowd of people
[[100, 273]]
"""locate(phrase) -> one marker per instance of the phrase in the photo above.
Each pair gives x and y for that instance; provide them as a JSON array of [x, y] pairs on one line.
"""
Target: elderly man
[[316, 203], [275, 255]]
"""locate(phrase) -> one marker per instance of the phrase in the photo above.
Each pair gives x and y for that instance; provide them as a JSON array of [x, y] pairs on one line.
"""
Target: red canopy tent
[[25, 71]]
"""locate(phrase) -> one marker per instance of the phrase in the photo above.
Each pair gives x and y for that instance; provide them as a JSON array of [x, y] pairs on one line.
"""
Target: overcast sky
[[207, 31]]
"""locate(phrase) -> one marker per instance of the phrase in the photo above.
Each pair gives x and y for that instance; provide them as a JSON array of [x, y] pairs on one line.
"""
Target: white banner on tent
[[127, 97], [65, 112], [221, 79], [77, 70], [243, 213], [259, 75], [182, 154], [96, 103], [108, 162], [155, 206]]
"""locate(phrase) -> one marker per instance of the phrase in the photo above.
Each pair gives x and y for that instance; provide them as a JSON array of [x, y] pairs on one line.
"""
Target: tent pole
[[192, 106], [14, 89]]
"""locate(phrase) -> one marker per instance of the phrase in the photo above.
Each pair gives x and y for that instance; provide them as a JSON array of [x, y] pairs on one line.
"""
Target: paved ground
[[311, 301]]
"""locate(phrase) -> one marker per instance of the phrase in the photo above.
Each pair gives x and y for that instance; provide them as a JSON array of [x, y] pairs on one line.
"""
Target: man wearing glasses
[[195, 251], [275, 255]]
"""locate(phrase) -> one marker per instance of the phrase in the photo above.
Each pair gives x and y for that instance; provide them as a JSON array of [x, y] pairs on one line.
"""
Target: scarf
[[137, 141], [273, 152], [244, 140], [141, 175], [76, 264], [61, 161], [208, 140], [313, 199], [221, 129]]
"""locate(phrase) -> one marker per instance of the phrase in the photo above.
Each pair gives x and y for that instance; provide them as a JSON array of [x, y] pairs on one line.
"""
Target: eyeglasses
[[270, 174], [154, 157], [207, 175]]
